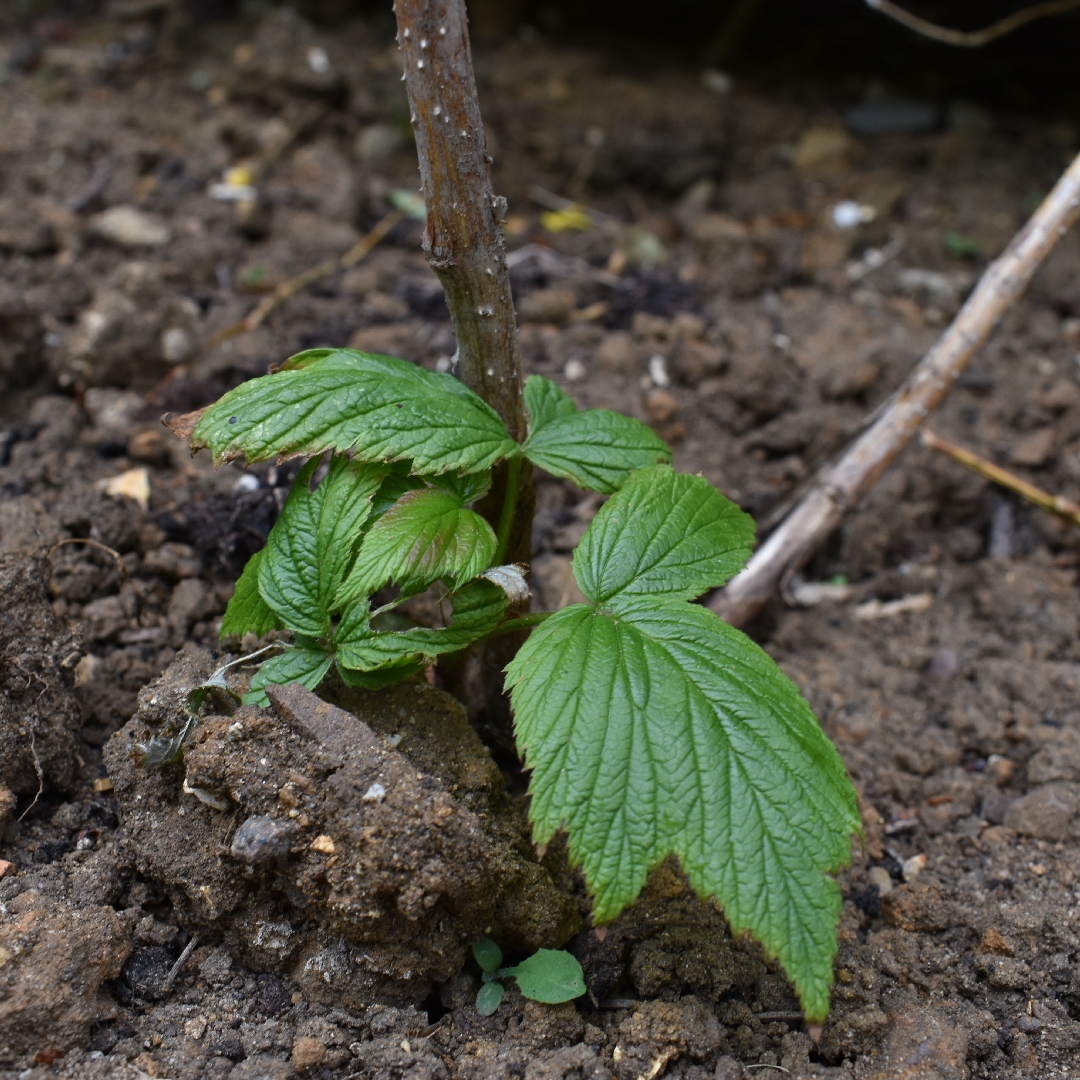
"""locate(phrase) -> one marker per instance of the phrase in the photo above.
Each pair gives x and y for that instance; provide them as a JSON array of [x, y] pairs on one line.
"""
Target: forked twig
[[1054, 504], [839, 487], [290, 288], [973, 39]]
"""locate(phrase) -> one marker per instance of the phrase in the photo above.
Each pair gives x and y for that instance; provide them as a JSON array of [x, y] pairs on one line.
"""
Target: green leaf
[[549, 975], [384, 676], [489, 998], [376, 407], [597, 448], [424, 536], [665, 534], [312, 544], [298, 665], [545, 402], [653, 728], [488, 955], [247, 610], [478, 609]]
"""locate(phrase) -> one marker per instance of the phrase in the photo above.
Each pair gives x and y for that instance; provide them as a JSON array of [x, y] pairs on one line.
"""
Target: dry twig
[[290, 288], [181, 960], [973, 39], [40, 775], [839, 487], [1054, 504]]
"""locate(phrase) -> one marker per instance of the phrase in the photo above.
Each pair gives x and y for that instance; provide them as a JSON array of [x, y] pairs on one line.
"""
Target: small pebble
[[880, 877], [129, 227], [262, 839], [307, 1052], [914, 866], [999, 769]]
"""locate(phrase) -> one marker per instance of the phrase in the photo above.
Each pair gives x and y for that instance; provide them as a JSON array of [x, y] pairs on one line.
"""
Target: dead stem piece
[[1055, 504], [839, 488], [290, 288], [973, 39], [40, 776], [87, 541], [181, 960]]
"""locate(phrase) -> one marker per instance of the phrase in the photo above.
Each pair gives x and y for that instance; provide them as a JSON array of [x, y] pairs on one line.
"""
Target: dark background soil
[[777, 333]]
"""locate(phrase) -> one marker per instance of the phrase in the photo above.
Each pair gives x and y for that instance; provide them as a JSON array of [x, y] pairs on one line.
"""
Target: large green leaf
[[247, 610], [478, 609], [666, 534], [597, 448], [376, 407], [298, 664], [653, 728], [425, 535], [312, 544]]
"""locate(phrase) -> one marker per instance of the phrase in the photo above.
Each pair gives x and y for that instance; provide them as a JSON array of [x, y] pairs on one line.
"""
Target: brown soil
[[777, 334]]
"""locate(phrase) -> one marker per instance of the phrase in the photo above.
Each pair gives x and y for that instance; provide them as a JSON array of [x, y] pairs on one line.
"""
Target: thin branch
[[1054, 504], [288, 289], [840, 487], [40, 775], [181, 960], [506, 518], [89, 543], [973, 39]]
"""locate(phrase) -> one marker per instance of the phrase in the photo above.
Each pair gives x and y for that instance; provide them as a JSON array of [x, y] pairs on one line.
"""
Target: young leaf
[[545, 402], [652, 728], [489, 998], [478, 609], [305, 666], [425, 535], [667, 534], [488, 955], [597, 448], [311, 545], [549, 975], [247, 610], [384, 676], [376, 407]]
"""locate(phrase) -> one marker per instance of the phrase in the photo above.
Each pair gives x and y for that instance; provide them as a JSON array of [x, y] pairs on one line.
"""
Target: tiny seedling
[[549, 975], [650, 726]]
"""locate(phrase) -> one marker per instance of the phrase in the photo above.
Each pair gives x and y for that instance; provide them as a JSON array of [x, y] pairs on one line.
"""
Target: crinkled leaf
[[376, 407], [311, 545], [478, 609], [653, 728], [467, 488], [665, 534], [489, 998], [488, 955], [305, 666], [545, 401], [247, 610], [549, 975], [424, 536], [384, 676], [597, 448]]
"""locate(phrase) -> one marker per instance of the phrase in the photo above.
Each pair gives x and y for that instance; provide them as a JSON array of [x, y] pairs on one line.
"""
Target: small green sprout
[[549, 975]]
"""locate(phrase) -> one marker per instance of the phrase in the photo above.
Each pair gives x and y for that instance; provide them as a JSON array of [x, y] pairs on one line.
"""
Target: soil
[[716, 299]]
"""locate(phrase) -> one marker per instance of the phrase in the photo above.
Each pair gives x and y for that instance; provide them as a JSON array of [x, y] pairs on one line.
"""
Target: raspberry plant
[[650, 726]]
